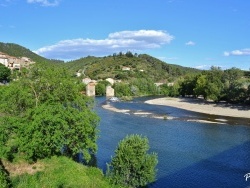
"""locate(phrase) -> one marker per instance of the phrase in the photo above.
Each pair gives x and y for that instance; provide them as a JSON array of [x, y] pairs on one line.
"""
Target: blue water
[[190, 154]]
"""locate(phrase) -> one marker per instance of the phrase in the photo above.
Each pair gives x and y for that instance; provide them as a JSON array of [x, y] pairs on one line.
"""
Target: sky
[[190, 33]]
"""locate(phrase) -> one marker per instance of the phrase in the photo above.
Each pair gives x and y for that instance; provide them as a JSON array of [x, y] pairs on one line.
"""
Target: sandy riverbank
[[199, 105]]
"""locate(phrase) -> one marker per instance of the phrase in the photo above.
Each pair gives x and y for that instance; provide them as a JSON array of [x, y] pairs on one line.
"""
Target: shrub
[[132, 166]]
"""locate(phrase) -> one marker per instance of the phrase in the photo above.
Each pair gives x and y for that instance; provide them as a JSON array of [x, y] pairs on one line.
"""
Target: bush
[[132, 166]]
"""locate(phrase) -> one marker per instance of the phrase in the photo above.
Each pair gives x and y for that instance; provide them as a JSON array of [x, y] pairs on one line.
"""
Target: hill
[[128, 66], [118, 66], [20, 51]]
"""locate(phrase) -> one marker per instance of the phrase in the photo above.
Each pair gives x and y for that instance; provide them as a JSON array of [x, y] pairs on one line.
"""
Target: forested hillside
[[139, 73], [138, 66], [20, 51]]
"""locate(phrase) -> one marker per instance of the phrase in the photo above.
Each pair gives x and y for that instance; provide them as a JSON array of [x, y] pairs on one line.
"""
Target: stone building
[[90, 89], [110, 92]]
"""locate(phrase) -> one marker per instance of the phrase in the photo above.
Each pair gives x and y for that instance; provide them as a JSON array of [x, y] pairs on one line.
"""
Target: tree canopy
[[132, 166], [45, 114], [4, 73]]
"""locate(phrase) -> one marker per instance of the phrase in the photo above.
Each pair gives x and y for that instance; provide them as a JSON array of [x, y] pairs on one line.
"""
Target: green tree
[[187, 85], [145, 86], [100, 88], [4, 73], [200, 86], [122, 89], [55, 129], [233, 74], [248, 95], [164, 89], [215, 84], [233, 87], [132, 166], [45, 114]]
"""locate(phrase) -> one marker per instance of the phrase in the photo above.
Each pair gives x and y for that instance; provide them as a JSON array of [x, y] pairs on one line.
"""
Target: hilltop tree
[[132, 166], [129, 54]]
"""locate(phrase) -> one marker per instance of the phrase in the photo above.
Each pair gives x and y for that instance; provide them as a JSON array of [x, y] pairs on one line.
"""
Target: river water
[[190, 154]]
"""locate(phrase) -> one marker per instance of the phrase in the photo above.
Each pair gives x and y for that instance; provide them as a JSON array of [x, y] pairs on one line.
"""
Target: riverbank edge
[[202, 106], [151, 115]]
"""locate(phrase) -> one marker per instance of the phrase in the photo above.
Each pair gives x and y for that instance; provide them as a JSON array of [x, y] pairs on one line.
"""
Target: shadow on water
[[227, 169]]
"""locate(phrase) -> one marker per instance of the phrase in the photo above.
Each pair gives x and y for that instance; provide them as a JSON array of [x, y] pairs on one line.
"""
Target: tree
[[234, 88], [4, 73], [55, 129], [200, 86], [122, 89], [132, 166], [215, 86], [100, 88], [45, 114], [187, 85], [129, 54]]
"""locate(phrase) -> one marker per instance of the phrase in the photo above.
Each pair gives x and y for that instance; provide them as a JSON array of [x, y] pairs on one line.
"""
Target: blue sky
[[192, 33]]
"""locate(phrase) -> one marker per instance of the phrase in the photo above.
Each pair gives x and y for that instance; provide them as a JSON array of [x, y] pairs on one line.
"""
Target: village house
[[171, 84], [159, 84], [126, 68], [14, 62]]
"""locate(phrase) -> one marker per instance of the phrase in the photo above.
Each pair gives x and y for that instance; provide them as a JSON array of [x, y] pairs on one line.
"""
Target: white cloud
[[167, 58], [115, 42], [208, 67], [190, 43], [203, 67], [46, 3], [241, 52]]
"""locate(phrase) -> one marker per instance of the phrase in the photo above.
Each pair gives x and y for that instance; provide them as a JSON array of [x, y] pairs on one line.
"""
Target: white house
[[126, 68]]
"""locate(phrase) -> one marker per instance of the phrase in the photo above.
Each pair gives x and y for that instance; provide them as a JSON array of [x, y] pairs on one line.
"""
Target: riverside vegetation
[[45, 123]]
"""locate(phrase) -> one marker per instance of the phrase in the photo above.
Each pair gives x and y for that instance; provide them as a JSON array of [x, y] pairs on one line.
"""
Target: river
[[190, 154]]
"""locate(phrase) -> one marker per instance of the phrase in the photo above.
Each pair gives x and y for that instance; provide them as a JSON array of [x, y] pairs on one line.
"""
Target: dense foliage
[[141, 66], [45, 114], [100, 88], [230, 85], [132, 166], [4, 73], [4, 177]]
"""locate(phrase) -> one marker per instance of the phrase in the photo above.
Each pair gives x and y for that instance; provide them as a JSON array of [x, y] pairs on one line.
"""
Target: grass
[[61, 172]]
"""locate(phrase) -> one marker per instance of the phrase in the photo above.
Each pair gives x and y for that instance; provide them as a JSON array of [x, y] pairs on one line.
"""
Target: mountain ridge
[[138, 66]]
